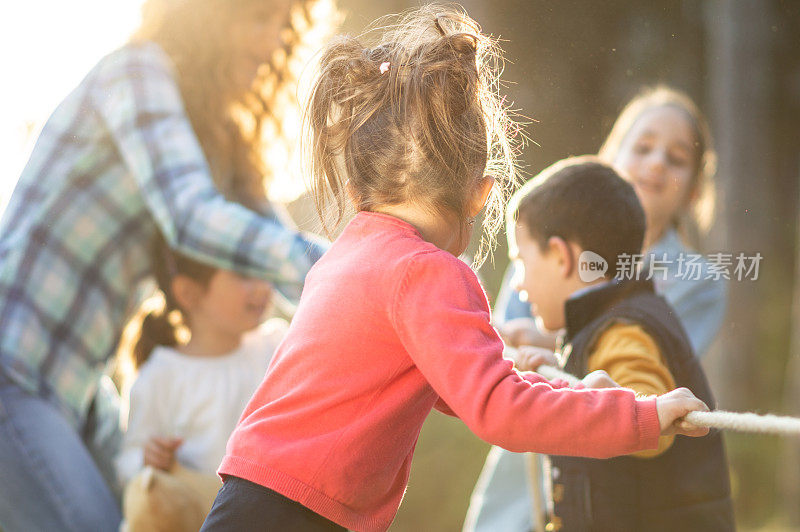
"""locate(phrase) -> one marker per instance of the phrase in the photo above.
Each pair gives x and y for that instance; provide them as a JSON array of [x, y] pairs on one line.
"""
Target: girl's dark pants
[[243, 506]]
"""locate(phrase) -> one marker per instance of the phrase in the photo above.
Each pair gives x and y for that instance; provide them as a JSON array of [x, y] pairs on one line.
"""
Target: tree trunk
[[789, 475], [739, 64]]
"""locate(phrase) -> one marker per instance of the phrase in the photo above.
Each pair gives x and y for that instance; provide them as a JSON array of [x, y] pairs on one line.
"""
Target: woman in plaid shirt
[[163, 135]]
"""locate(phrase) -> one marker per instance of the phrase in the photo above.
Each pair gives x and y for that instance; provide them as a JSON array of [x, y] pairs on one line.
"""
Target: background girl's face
[[658, 157], [256, 33], [233, 303]]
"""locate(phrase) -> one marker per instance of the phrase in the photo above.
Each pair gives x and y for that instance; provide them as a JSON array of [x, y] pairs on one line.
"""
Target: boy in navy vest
[[577, 227]]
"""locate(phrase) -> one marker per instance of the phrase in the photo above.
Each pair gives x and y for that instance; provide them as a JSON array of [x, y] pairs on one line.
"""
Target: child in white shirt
[[199, 359]]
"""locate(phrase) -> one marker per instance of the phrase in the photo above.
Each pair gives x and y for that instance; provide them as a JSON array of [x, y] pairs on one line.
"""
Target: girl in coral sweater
[[391, 324]]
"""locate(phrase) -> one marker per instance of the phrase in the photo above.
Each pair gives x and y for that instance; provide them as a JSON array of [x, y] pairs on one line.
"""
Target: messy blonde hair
[[235, 126], [412, 116], [704, 162]]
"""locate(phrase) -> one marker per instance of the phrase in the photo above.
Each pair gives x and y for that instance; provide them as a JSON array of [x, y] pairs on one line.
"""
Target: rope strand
[[745, 422], [719, 419]]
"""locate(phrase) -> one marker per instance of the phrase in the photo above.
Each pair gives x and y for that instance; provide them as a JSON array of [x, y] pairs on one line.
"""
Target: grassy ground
[[446, 465]]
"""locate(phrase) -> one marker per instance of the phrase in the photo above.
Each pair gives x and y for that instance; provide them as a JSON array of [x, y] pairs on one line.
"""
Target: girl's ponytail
[[156, 329], [416, 117], [160, 320]]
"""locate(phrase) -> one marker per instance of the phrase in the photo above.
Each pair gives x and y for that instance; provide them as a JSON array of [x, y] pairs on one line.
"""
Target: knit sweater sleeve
[[529, 376], [441, 315]]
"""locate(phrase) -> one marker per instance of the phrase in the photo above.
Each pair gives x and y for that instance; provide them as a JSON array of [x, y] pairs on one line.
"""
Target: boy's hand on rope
[[529, 358], [673, 406], [160, 452]]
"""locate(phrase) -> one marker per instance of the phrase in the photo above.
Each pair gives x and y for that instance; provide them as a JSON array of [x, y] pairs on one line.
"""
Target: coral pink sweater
[[390, 326]]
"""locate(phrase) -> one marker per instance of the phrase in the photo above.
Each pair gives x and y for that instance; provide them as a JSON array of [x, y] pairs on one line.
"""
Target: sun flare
[[47, 47]]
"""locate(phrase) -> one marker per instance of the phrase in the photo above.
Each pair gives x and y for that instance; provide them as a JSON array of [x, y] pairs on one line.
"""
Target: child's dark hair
[[161, 325], [416, 117], [585, 201]]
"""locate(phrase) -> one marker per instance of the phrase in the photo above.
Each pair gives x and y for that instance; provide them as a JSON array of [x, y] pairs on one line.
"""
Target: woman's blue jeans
[[48, 478]]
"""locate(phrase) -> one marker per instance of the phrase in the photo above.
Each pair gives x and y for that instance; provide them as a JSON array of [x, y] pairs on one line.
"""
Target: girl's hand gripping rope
[[695, 418], [673, 406]]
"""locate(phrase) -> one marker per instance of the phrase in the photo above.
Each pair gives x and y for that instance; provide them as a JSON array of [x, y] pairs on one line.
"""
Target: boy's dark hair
[[582, 200]]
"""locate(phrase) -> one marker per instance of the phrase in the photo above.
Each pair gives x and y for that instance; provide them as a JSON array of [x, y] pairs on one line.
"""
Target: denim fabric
[[502, 497], [700, 302], [49, 480]]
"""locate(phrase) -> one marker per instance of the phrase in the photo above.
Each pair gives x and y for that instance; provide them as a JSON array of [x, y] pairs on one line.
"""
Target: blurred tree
[[752, 210], [789, 474], [788, 43]]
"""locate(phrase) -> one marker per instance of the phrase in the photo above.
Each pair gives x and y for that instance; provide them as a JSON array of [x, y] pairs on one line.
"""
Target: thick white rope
[[745, 422], [720, 419]]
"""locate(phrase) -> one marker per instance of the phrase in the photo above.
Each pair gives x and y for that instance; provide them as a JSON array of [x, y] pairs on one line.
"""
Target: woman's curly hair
[[236, 128]]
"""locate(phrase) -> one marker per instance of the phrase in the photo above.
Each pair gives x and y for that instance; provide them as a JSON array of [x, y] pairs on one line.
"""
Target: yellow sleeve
[[631, 357]]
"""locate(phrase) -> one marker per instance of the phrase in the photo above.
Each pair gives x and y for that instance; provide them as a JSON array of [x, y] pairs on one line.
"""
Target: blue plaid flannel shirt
[[116, 161]]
